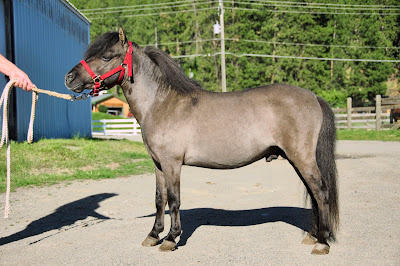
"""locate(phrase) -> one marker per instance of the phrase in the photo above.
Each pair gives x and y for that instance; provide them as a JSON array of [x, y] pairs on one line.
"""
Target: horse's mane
[[173, 76], [101, 44]]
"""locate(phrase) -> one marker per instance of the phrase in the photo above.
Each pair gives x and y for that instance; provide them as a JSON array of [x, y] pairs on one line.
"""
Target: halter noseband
[[99, 79]]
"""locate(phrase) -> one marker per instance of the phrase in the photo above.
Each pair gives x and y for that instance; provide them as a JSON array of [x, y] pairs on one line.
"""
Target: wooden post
[[221, 21], [349, 107], [378, 111], [155, 35]]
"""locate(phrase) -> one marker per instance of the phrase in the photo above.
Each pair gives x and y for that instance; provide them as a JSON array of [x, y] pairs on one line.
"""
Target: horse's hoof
[[150, 241], [320, 249], [168, 245], [309, 240]]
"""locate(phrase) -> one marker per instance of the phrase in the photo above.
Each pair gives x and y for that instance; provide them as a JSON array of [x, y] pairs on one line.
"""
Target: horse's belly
[[225, 156], [217, 164]]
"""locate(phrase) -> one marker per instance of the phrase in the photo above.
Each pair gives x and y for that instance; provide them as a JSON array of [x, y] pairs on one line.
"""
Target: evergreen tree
[[354, 30]]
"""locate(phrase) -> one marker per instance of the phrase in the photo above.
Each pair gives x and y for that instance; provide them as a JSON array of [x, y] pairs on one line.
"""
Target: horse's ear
[[122, 37]]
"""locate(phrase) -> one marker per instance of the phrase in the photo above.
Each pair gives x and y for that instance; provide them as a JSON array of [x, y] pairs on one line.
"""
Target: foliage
[[103, 109], [99, 116], [54, 160], [353, 31]]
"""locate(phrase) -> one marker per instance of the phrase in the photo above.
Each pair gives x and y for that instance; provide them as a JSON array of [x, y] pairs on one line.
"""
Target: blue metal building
[[45, 38]]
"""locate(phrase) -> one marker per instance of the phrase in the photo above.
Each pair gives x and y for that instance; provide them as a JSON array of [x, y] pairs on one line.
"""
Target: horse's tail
[[325, 154]]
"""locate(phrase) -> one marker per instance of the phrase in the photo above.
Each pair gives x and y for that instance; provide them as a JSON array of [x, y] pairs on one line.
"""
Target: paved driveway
[[249, 216]]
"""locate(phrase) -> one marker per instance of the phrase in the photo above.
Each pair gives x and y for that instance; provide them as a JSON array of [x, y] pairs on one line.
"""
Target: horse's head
[[104, 66]]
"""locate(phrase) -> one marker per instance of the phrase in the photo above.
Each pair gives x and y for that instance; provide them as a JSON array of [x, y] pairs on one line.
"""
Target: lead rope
[[5, 137], [35, 96]]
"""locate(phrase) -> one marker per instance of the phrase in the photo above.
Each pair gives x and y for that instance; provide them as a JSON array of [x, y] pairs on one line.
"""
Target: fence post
[[349, 107], [104, 126], [378, 111], [135, 131]]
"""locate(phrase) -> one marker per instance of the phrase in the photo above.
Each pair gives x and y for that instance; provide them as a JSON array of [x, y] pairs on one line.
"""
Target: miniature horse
[[183, 124]]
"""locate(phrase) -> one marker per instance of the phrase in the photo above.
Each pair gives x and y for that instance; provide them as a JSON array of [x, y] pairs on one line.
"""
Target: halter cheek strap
[[99, 79]]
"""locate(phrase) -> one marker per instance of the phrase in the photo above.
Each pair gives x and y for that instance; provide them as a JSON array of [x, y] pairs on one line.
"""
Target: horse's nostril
[[70, 77]]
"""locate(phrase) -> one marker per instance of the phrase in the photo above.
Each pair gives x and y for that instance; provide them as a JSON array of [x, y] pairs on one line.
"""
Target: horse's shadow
[[194, 218], [63, 216]]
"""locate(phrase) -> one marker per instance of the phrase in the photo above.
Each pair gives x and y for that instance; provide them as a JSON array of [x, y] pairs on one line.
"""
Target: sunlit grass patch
[[50, 161]]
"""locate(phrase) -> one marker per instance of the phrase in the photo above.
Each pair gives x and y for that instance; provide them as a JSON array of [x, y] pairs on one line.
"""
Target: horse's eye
[[105, 58]]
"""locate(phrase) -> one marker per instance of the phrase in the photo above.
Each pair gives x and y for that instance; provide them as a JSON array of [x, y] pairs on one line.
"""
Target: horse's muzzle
[[72, 83], [69, 77]]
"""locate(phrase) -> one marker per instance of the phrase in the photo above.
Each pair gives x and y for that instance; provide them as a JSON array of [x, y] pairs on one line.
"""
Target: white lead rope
[[5, 136]]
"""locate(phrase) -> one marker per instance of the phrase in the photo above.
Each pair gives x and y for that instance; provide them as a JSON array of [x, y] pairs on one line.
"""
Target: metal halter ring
[[83, 96]]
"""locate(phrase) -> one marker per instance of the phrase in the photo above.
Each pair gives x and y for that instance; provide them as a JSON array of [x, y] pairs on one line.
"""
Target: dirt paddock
[[249, 216]]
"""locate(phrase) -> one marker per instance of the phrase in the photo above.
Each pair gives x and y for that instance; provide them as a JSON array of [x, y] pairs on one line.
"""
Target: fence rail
[[364, 121], [113, 127]]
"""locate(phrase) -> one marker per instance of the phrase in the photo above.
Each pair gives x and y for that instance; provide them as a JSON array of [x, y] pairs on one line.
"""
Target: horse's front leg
[[172, 174], [161, 200]]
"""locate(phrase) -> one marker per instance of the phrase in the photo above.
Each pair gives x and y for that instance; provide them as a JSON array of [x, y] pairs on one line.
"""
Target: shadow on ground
[[64, 216], [194, 218]]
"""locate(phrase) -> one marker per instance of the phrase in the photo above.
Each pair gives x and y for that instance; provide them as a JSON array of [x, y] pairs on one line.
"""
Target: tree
[[351, 29]]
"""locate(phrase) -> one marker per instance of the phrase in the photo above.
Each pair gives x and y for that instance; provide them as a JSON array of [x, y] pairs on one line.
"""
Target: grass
[[363, 134], [50, 161]]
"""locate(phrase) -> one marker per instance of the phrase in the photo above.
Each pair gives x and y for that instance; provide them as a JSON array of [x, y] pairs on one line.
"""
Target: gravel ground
[[249, 216]]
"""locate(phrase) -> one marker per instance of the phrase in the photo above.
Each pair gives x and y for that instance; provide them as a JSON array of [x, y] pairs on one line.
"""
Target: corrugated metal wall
[[3, 49], [49, 39]]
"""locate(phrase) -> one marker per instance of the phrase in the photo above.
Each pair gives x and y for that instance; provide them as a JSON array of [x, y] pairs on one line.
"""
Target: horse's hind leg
[[311, 177], [311, 236], [161, 200]]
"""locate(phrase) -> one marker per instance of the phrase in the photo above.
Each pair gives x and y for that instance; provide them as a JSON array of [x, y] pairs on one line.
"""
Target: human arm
[[13, 72]]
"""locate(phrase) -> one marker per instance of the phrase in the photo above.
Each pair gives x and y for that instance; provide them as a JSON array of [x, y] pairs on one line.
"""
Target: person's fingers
[[21, 84], [18, 83], [23, 80], [30, 87], [30, 84], [25, 85]]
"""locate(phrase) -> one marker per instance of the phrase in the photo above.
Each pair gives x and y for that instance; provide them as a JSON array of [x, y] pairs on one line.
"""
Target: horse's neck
[[140, 98], [143, 94]]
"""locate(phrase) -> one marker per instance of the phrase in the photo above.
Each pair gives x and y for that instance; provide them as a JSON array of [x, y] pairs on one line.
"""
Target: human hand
[[23, 80]]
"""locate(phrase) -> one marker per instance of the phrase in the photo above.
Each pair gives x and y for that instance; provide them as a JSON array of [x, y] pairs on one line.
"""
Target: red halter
[[99, 80]]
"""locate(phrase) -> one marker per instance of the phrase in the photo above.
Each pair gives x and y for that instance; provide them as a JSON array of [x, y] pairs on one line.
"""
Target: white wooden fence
[[113, 127]]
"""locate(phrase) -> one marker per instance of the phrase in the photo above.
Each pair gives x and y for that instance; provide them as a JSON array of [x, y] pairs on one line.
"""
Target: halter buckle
[[98, 79]]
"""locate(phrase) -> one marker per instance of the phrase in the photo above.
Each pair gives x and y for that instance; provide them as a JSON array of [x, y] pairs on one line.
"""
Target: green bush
[[103, 109]]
